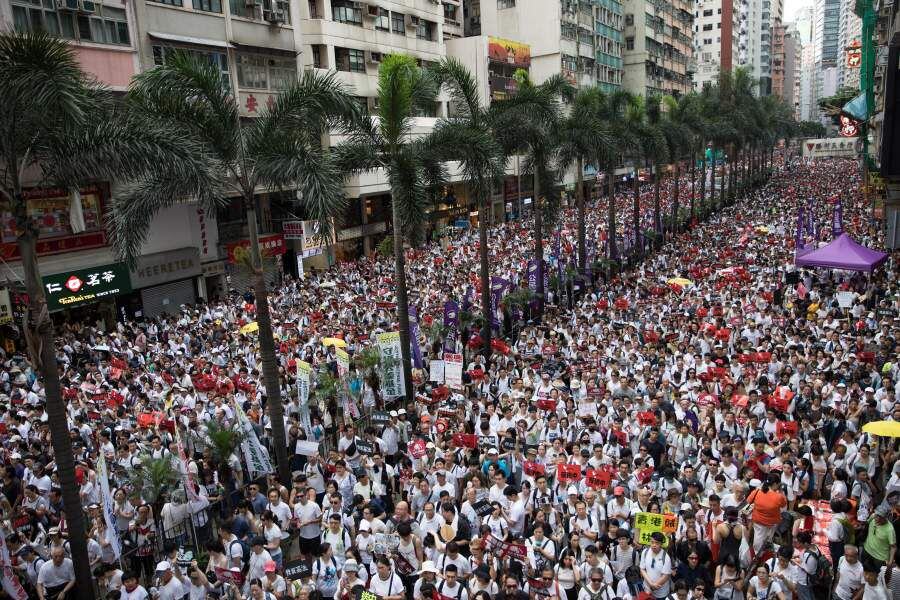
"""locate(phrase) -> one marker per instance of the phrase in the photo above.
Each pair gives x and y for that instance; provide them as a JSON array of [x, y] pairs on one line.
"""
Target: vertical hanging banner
[[392, 384], [533, 280], [108, 506], [343, 361], [451, 323], [11, 584], [499, 288], [257, 460], [304, 379], [837, 219], [187, 479], [415, 350], [453, 371]]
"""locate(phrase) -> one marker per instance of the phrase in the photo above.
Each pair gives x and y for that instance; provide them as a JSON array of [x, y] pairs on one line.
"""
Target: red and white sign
[[269, 245]]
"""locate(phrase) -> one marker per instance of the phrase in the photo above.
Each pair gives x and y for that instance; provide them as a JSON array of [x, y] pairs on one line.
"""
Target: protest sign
[[453, 371]]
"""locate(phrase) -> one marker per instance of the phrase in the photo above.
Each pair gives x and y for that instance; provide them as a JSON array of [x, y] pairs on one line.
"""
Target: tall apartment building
[[750, 38], [792, 56], [826, 47], [849, 36], [582, 39], [770, 18], [777, 61], [716, 19], [658, 46]]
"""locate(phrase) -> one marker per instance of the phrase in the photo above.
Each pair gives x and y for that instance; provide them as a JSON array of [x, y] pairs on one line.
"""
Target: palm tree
[[586, 137], [676, 133], [529, 120], [61, 128], [413, 172], [611, 111], [280, 149], [468, 138], [651, 150]]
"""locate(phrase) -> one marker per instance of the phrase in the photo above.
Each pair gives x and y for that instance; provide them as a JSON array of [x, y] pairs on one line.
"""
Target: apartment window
[[707, 13], [707, 42], [350, 59], [208, 5], [346, 11], [251, 72], [425, 30], [314, 12], [383, 20], [718, 26], [506, 3], [629, 20], [170, 2], [398, 23], [107, 25], [707, 27], [318, 56], [219, 59], [629, 43]]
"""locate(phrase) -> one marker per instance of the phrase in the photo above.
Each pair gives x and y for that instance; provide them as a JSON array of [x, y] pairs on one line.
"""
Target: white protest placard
[[307, 448], [436, 371], [845, 299], [453, 370], [304, 374]]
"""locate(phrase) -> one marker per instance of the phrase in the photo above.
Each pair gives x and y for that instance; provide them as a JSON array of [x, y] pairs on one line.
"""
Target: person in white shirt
[[309, 523], [131, 589], [849, 576], [450, 586], [170, 584], [763, 587], [584, 524], [515, 510], [876, 588], [56, 576], [386, 583], [656, 567]]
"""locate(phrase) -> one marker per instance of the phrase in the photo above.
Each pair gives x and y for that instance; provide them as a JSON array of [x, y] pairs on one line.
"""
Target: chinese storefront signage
[[74, 288], [854, 55]]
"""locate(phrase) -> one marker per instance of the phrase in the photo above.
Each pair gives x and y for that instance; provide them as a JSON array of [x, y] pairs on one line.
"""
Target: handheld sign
[[297, 569], [482, 508]]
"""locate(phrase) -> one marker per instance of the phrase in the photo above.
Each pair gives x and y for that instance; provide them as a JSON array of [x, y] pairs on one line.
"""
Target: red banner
[[786, 429], [269, 245], [465, 440], [568, 473], [533, 469], [597, 479]]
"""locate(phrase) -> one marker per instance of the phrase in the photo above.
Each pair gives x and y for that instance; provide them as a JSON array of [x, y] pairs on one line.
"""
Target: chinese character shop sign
[[73, 288]]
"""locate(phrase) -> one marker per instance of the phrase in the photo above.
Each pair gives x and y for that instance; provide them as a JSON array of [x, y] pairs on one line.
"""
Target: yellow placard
[[644, 538]]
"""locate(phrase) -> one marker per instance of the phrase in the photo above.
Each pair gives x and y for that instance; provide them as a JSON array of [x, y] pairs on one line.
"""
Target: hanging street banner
[[304, 377], [392, 384], [112, 534], [257, 459]]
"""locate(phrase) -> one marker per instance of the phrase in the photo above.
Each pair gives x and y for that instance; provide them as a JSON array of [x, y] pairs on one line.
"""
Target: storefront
[[212, 284], [87, 294], [163, 282]]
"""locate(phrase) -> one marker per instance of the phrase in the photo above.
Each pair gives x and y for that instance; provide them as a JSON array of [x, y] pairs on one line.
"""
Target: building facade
[[659, 46], [716, 20], [826, 47], [849, 42]]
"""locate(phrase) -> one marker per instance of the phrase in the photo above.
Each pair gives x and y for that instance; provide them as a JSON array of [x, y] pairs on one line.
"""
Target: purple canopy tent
[[843, 253]]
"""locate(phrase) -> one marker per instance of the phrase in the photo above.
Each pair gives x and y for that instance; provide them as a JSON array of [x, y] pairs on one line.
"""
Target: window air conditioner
[[87, 6], [412, 21], [66, 4], [373, 58]]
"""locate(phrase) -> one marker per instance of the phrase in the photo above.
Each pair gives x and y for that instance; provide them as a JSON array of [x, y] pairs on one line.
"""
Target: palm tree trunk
[[267, 348], [402, 302], [538, 241], [657, 209], [724, 182], [579, 200], [703, 185], [675, 201], [485, 275], [611, 213], [636, 211], [42, 326], [693, 180]]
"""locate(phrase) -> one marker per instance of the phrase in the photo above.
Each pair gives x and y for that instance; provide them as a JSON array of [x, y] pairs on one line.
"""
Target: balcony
[[501, 87]]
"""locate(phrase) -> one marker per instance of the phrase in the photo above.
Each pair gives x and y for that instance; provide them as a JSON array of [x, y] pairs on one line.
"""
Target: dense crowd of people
[[642, 439]]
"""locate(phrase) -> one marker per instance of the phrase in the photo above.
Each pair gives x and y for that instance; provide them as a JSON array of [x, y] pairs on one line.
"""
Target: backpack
[[823, 577], [458, 592], [245, 549]]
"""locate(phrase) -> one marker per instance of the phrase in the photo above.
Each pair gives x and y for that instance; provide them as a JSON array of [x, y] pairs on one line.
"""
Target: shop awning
[[186, 39]]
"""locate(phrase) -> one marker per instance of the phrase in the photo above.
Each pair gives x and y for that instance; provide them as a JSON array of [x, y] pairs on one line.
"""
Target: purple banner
[[414, 337], [533, 280], [499, 288], [451, 322], [837, 219], [546, 273]]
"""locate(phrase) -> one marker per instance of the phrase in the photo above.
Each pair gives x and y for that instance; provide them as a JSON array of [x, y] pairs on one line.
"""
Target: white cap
[[428, 567], [755, 483], [393, 413], [870, 389], [493, 451], [163, 566], [402, 411], [364, 526], [572, 491]]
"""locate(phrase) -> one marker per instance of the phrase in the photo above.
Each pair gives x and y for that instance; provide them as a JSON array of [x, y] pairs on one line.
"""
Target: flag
[[801, 290], [451, 323], [108, 506], [257, 460], [414, 337]]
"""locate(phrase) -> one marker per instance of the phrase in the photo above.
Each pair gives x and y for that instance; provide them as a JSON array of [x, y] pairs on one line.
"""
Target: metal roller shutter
[[167, 298]]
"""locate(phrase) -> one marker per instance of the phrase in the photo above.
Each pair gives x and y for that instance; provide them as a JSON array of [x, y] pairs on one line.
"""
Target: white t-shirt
[[850, 578], [392, 587], [765, 592], [309, 512], [52, 576], [657, 565]]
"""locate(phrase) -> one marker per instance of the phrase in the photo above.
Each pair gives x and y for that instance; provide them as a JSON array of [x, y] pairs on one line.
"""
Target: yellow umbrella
[[883, 428], [250, 327], [332, 341], [680, 281]]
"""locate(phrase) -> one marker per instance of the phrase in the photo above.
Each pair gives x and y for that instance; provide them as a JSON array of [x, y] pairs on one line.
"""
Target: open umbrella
[[333, 341], [883, 428], [680, 281], [250, 327]]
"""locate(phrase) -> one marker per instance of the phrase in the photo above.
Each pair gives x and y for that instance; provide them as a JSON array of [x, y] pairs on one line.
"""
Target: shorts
[[309, 546]]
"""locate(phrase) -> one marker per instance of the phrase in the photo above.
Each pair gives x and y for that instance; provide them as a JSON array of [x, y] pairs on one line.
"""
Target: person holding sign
[[656, 567]]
